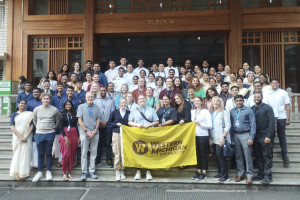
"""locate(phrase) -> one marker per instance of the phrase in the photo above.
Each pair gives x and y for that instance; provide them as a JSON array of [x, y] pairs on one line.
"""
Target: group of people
[[88, 108]]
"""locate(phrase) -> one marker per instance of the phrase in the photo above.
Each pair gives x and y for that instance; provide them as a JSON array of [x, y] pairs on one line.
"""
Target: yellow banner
[[159, 147]]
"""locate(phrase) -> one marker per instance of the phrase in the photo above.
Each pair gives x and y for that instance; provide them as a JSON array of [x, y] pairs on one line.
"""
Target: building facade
[[44, 34]]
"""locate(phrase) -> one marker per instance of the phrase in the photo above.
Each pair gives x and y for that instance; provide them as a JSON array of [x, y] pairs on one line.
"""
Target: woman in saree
[[21, 126]]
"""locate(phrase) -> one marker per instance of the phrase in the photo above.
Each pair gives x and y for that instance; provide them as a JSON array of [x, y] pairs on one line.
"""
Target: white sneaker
[[122, 175], [37, 177], [48, 176], [148, 175], [118, 175], [138, 175]]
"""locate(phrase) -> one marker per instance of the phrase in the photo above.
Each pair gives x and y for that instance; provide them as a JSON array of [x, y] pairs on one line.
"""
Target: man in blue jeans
[[243, 127], [45, 119]]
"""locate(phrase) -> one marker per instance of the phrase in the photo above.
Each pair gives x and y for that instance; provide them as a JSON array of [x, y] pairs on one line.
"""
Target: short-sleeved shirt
[[277, 100], [152, 102], [32, 104], [136, 117], [166, 114], [89, 116], [106, 107]]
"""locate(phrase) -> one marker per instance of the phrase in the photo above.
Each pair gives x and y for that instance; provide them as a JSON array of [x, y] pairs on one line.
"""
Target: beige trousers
[[116, 147]]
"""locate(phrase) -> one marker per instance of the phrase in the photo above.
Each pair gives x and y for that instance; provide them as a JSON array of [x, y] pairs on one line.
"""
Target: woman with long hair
[[199, 91], [202, 118], [197, 71], [21, 126], [95, 90], [179, 85], [257, 71], [241, 73], [212, 72], [124, 90], [205, 81], [130, 102], [159, 81], [167, 115], [51, 76], [249, 84], [143, 75], [210, 93], [136, 119], [64, 69], [191, 95], [151, 101], [69, 138], [263, 79], [183, 109], [76, 68], [232, 80], [118, 118], [218, 134]]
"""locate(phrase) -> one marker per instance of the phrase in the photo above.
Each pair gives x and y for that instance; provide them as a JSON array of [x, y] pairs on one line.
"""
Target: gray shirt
[[106, 107], [45, 119], [89, 116], [136, 117]]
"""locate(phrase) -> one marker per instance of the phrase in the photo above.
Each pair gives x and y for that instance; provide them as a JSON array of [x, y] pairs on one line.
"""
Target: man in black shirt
[[263, 145]]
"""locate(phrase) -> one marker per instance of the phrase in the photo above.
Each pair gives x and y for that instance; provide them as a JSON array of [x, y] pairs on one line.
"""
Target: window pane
[[287, 3], [123, 6], [292, 67], [39, 62], [251, 55], [40, 7], [76, 55], [76, 6], [250, 4]]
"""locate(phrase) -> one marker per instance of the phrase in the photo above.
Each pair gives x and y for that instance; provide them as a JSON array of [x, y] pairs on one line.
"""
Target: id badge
[[237, 123], [68, 129]]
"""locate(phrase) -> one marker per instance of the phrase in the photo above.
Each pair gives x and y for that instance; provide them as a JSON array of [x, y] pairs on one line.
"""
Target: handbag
[[228, 149]]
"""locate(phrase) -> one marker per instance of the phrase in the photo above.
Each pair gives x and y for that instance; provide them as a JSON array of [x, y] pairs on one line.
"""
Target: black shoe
[[109, 164], [286, 162], [218, 176], [202, 177], [196, 176], [223, 179], [266, 181], [258, 178], [98, 162]]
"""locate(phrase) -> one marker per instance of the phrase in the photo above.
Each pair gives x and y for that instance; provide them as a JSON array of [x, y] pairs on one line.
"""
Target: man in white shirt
[[154, 69], [140, 67], [161, 71], [230, 102], [257, 88], [120, 80], [129, 75], [112, 73], [123, 63], [280, 102], [170, 66]]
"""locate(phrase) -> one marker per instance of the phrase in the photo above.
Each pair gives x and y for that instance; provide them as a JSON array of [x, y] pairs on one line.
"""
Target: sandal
[[65, 177], [70, 176]]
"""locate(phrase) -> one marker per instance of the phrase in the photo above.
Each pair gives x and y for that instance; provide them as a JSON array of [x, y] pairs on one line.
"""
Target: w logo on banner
[[140, 147]]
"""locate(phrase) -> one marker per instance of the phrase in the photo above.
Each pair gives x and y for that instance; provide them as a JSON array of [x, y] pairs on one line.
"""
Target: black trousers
[[282, 138], [221, 160], [202, 149], [264, 158]]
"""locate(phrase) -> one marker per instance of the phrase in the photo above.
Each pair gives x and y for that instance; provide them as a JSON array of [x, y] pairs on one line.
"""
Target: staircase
[[174, 178]]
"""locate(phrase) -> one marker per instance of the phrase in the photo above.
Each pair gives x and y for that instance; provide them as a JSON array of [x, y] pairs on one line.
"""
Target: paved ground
[[143, 194]]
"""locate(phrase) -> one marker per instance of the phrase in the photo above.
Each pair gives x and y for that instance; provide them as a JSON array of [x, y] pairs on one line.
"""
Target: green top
[[199, 93], [152, 102]]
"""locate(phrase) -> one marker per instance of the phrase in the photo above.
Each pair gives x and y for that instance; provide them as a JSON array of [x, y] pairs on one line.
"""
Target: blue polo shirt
[[80, 97], [58, 101], [23, 96], [32, 104]]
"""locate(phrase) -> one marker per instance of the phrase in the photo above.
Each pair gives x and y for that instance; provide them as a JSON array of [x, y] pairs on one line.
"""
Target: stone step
[[169, 183]]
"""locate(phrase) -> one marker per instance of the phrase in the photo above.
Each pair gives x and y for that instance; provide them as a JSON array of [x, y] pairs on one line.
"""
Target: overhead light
[[271, 1], [110, 5], [128, 39], [199, 38]]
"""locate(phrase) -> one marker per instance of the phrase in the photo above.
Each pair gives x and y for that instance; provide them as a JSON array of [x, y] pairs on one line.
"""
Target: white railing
[[295, 115], [6, 106]]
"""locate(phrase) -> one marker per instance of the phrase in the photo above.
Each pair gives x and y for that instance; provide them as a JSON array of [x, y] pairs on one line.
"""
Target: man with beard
[[225, 95], [263, 145]]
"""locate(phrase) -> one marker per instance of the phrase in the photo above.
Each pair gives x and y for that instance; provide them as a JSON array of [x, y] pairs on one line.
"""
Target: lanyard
[[164, 74], [139, 91], [103, 105], [90, 110], [167, 92], [69, 119], [196, 114], [213, 117], [165, 112], [238, 115]]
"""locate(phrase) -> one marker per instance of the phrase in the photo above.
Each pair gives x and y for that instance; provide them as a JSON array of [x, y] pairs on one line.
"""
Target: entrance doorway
[[157, 48]]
